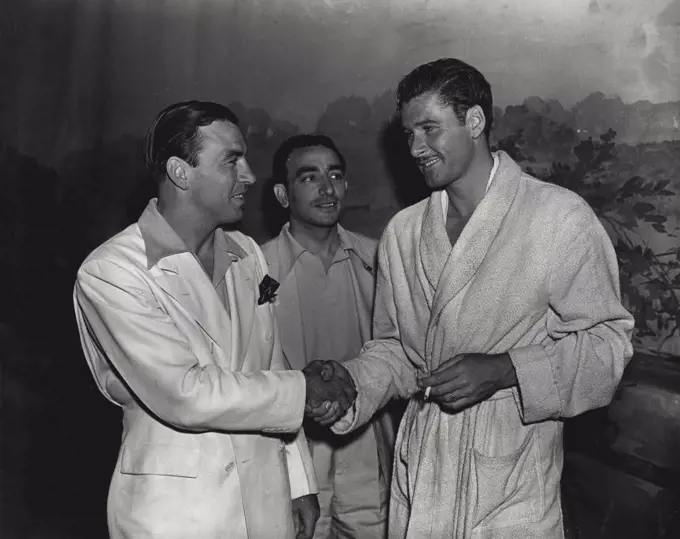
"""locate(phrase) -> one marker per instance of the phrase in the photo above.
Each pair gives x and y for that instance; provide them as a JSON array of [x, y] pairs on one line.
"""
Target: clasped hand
[[330, 391], [467, 379]]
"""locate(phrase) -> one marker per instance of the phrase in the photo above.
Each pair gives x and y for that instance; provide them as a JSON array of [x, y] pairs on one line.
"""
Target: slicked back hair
[[459, 85], [175, 133]]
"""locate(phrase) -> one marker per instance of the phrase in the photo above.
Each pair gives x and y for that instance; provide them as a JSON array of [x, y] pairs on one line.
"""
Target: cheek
[[303, 193]]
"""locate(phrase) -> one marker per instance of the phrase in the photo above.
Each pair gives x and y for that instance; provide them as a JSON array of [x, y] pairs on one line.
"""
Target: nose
[[327, 187], [417, 145], [246, 174]]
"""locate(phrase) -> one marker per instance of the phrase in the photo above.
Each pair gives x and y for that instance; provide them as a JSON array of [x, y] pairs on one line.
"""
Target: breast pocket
[[161, 459], [509, 487]]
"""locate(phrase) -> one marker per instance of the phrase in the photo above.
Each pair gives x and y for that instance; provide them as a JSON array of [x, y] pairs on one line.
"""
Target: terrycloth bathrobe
[[202, 454], [287, 305], [533, 274]]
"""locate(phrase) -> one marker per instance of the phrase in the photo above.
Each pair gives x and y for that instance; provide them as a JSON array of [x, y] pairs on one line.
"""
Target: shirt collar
[[161, 241], [445, 197], [296, 250]]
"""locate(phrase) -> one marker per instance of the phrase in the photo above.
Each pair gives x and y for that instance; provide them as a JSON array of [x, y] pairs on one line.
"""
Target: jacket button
[[267, 336], [229, 467]]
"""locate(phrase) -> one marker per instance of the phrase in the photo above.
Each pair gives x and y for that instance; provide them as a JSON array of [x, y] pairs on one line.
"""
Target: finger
[[440, 377], [317, 408], [447, 365], [456, 385], [458, 404], [330, 421], [318, 411], [328, 371], [330, 416]]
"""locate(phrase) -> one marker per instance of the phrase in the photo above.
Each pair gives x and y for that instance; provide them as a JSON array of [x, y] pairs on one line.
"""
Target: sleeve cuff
[[302, 483], [292, 405], [539, 393], [347, 422]]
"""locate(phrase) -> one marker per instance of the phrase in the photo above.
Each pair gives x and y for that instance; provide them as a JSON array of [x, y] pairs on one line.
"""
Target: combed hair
[[175, 133], [296, 142], [459, 85]]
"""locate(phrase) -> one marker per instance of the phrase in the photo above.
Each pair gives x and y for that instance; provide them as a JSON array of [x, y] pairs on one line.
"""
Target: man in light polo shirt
[[324, 308]]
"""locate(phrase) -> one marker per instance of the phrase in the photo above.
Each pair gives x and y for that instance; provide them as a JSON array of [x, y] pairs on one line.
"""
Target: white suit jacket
[[212, 443]]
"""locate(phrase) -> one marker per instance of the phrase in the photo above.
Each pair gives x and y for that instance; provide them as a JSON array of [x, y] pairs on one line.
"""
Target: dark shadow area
[[408, 181], [274, 215], [59, 437], [621, 476]]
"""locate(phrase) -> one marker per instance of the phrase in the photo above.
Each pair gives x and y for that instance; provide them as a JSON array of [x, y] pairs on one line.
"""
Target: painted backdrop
[[587, 95]]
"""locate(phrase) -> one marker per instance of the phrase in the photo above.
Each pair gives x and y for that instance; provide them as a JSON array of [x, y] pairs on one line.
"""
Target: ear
[[475, 121], [281, 194], [179, 172]]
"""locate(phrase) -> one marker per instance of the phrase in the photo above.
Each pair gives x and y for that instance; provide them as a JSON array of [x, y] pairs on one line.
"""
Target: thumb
[[327, 371]]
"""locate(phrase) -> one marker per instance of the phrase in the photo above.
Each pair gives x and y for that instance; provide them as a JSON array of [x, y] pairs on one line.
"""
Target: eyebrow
[[304, 169], [425, 121], [228, 154]]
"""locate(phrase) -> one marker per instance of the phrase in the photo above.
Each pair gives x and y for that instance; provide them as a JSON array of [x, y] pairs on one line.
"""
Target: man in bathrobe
[[497, 313], [176, 323], [324, 308]]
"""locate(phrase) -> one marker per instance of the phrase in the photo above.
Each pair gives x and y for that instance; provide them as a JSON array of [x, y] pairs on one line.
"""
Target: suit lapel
[[242, 297], [182, 278]]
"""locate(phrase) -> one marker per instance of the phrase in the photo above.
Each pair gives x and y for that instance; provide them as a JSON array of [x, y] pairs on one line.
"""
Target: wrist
[[507, 373]]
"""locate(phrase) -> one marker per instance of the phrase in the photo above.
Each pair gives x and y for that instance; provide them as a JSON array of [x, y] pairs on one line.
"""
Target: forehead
[[426, 107], [313, 156], [220, 136]]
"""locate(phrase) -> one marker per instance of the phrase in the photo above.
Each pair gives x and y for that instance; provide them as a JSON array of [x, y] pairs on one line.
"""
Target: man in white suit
[[176, 323]]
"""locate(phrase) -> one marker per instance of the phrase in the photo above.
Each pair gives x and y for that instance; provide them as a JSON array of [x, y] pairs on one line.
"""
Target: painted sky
[[101, 67]]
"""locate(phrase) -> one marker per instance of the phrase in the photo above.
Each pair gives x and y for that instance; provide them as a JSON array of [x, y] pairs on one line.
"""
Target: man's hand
[[330, 391], [305, 514], [467, 379]]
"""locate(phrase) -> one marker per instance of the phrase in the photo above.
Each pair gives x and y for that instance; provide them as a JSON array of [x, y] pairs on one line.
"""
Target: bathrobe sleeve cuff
[[538, 389]]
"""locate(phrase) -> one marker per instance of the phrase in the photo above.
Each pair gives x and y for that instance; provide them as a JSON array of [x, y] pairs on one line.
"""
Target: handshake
[[330, 391]]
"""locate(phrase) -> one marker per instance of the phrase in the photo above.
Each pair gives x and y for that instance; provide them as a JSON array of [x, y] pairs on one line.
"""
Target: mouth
[[330, 205], [428, 162], [240, 197]]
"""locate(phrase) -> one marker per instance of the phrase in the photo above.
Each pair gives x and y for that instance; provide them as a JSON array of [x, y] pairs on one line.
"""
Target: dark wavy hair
[[175, 133], [459, 85], [296, 142]]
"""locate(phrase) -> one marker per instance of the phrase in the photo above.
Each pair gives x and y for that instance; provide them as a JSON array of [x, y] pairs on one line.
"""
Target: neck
[[466, 193], [193, 230], [315, 239]]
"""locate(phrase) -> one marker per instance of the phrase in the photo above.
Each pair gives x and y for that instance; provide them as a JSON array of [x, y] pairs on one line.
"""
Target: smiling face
[[442, 146], [222, 176], [316, 186]]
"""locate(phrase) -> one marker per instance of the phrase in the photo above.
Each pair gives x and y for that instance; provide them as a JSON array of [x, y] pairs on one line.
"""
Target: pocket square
[[268, 288]]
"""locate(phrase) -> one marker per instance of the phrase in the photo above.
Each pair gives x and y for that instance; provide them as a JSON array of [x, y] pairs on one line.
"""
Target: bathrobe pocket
[[505, 471]]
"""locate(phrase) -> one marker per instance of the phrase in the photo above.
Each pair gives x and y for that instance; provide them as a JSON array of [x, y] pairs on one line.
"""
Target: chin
[[327, 222], [438, 182], [231, 219]]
